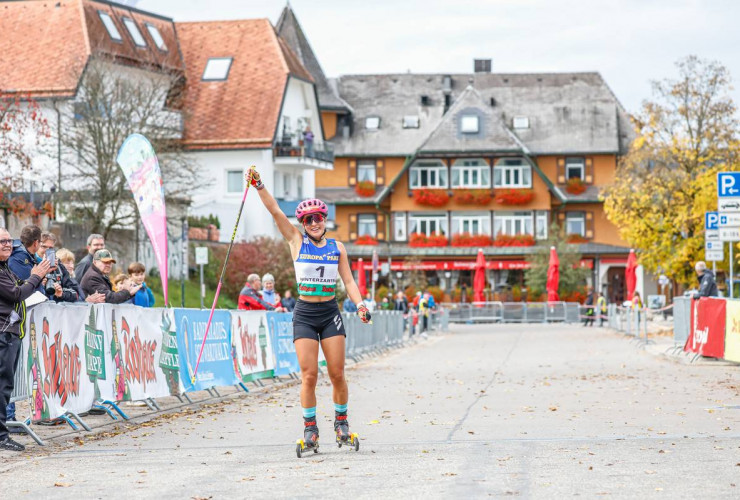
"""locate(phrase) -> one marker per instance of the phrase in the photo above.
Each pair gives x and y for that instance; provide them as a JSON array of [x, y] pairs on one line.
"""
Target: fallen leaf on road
[[62, 485], [553, 408], [374, 422]]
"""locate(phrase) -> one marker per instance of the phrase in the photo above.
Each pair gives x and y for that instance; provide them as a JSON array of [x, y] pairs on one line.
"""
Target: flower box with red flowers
[[576, 238], [514, 196], [471, 240], [472, 196], [431, 197], [366, 240], [422, 240], [365, 188], [519, 240], [575, 186]]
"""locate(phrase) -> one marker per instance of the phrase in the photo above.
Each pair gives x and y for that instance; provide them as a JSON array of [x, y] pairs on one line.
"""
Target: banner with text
[[280, 326], [732, 331], [707, 335], [251, 345]]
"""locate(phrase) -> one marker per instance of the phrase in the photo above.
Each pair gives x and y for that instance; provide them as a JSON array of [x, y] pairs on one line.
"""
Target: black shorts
[[317, 320]]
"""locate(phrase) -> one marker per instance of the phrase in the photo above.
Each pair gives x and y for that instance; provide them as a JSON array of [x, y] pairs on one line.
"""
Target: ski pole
[[221, 278]]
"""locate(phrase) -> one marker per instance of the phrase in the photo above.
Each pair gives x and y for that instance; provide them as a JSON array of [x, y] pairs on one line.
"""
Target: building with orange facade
[[430, 167]]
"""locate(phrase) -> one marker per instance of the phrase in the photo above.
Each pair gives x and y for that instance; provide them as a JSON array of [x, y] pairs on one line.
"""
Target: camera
[[51, 278]]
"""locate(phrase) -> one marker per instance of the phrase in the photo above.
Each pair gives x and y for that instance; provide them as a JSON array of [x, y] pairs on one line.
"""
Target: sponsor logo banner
[[707, 335], [280, 326], [732, 331], [251, 345]]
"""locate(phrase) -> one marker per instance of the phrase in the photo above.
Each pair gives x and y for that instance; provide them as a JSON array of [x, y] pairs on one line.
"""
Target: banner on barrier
[[251, 345], [216, 365], [281, 333], [707, 335], [732, 331]]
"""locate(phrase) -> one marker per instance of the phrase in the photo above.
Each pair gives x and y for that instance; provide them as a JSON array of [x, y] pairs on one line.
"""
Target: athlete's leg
[[333, 348], [307, 351]]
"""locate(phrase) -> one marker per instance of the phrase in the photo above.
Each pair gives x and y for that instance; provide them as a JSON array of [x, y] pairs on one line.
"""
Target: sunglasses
[[6, 242], [313, 219]]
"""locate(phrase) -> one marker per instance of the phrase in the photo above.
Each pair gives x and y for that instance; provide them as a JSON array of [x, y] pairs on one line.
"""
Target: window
[[110, 26], [399, 226], [366, 171], [574, 168], [473, 224], [234, 181], [428, 174], [512, 173], [512, 223], [411, 121], [469, 124], [541, 220], [133, 30], [575, 223], [428, 224], [367, 225], [471, 174], [520, 122], [217, 68], [299, 186], [157, 37], [372, 123]]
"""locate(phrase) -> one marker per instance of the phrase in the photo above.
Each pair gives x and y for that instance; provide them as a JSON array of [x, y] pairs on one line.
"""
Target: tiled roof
[[241, 112], [46, 44]]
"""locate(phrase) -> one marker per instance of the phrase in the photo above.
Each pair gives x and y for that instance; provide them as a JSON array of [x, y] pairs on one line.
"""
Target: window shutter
[[352, 174], [589, 171], [561, 170], [352, 227], [380, 226], [590, 225], [380, 172], [561, 219]]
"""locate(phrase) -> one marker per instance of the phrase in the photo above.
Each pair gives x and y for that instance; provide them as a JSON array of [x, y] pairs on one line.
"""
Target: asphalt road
[[529, 411]]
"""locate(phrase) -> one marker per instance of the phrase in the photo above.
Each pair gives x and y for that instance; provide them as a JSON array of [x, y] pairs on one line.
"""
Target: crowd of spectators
[[259, 294]]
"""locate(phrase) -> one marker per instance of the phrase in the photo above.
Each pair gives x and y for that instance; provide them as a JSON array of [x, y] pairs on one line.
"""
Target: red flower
[[514, 196], [422, 240], [576, 238], [431, 197], [575, 186], [470, 240], [365, 188], [519, 240], [366, 240], [473, 196]]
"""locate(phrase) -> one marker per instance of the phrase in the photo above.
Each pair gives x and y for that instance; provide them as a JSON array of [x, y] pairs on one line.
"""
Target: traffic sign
[[714, 245], [201, 255], [728, 191], [711, 220], [729, 219], [729, 234], [714, 255]]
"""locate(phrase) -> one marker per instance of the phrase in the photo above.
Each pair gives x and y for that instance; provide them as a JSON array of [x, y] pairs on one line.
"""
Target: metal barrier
[[631, 322], [22, 392], [681, 319], [385, 331], [513, 312]]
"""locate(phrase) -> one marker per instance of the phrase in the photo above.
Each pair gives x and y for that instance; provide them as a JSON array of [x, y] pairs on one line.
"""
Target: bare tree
[[22, 129], [113, 102]]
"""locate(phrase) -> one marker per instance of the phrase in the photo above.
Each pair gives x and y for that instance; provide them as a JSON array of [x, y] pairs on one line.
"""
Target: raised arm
[[288, 230], [349, 283]]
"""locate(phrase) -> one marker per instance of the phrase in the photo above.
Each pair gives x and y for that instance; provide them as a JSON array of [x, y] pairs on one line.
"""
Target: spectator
[[23, 258], [601, 307], [430, 301], [424, 313], [308, 141], [707, 285], [97, 280], [385, 304], [13, 292], [269, 294], [249, 297], [67, 260], [369, 302], [463, 293], [95, 242], [63, 286], [288, 301], [348, 306], [589, 319], [145, 296], [417, 298], [401, 303]]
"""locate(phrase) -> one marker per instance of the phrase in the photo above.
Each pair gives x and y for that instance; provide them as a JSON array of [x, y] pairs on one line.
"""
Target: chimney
[[482, 65]]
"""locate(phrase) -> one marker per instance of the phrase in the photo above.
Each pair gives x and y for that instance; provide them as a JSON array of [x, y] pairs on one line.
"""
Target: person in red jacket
[[249, 297]]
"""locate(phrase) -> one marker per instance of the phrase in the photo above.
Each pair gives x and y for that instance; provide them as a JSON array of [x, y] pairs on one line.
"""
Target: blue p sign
[[727, 184], [711, 220]]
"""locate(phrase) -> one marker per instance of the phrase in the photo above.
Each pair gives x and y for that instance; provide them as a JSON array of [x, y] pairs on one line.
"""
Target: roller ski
[[341, 427], [310, 439]]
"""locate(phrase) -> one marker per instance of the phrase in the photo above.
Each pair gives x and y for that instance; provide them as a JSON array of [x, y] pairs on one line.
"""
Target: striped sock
[[309, 412], [340, 408]]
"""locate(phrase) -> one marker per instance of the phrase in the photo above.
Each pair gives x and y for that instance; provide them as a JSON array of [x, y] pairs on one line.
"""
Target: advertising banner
[[251, 345], [707, 336], [280, 326], [216, 366], [56, 361], [732, 331]]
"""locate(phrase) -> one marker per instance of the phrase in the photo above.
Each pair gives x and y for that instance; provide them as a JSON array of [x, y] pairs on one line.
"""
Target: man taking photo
[[58, 279], [13, 292]]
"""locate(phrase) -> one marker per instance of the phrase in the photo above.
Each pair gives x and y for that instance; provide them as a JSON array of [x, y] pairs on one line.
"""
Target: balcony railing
[[288, 208], [320, 152]]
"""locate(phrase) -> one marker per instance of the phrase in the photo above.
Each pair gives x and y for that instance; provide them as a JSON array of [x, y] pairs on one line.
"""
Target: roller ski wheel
[[301, 448], [310, 439]]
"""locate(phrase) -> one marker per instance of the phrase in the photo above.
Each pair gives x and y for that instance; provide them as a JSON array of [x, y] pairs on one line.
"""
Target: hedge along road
[[523, 410]]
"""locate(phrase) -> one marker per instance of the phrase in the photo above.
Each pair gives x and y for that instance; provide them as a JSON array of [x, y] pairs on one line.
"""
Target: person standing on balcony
[[316, 317], [308, 141]]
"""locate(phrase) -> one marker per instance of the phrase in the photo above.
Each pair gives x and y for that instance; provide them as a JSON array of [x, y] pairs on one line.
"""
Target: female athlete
[[316, 317]]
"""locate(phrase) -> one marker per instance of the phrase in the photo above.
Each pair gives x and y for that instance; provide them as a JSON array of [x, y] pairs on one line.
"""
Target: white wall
[[300, 107]]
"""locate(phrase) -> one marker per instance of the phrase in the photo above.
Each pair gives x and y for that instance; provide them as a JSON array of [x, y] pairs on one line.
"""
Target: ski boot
[[341, 427], [310, 439]]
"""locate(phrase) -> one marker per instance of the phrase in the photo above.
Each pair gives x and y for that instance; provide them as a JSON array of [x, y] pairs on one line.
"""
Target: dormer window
[[157, 37], [411, 121], [372, 123], [217, 68], [110, 26], [133, 30], [521, 122], [469, 124]]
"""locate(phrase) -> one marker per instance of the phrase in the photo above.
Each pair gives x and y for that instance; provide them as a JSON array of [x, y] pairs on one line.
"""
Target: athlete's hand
[[253, 177], [363, 313]]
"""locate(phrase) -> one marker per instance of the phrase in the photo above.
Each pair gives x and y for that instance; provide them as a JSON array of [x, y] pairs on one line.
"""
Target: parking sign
[[728, 191]]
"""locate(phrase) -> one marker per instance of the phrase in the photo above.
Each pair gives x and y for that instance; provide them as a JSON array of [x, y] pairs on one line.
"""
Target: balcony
[[319, 156]]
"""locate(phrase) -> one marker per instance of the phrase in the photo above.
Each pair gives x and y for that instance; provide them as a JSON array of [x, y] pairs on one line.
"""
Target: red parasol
[[553, 276], [630, 274], [361, 283], [479, 281]]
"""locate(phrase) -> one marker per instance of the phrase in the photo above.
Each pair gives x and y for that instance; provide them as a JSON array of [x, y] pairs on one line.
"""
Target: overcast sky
[[630, 42]]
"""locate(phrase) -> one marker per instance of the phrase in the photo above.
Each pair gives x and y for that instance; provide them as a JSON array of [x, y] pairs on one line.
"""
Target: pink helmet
[[311, 206]]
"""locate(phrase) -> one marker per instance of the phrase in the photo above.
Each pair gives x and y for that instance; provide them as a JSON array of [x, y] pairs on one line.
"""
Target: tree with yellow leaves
[[666, 182]]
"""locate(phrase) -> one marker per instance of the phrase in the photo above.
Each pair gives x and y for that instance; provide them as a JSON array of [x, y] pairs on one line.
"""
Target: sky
[[630, 42]]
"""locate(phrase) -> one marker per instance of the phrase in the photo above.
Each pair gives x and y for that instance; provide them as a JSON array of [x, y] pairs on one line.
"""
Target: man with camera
[[13, 291], [59, 286]]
